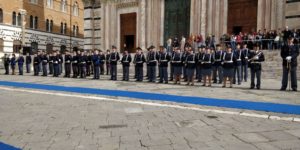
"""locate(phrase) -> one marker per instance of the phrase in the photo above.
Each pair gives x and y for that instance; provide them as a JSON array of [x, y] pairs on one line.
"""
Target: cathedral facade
[[141, 23]]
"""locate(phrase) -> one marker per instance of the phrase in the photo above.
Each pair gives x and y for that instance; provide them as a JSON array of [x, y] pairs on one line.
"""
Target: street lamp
[[23, 14]]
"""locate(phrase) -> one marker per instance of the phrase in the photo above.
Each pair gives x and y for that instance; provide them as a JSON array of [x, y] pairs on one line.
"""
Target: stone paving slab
[[38, 121]]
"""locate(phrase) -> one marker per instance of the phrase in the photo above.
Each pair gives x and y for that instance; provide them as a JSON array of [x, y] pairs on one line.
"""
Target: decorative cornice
[[129, 4]]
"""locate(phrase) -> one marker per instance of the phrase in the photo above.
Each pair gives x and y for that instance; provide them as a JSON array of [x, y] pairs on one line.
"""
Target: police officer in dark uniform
[[217, 66], [199, 55], [152, 63], [171, 65], [20, 64], [96, 64], [190, 62], [40, 58], [255, 59], [51, 63], [6, 63], [126, 60], [13, 63], [55, 64], [238, 65], [114, 57], [68, 61], [61, 61], [207, 62], [107, 62], [102, 62], [139, 60], [245, 58], [44, 64], [184, 55], [289, 54], [228, 63], [28, 62], [75, 64], [82, 59], [36, 64], [177, 61], [164, 59], [88, 64]]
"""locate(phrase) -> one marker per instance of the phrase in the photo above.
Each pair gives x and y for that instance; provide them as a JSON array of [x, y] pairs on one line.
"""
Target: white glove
[[289, 58], [256, 58]]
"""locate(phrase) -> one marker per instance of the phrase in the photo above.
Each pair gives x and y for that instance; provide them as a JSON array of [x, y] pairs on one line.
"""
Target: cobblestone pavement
[[52, 122]]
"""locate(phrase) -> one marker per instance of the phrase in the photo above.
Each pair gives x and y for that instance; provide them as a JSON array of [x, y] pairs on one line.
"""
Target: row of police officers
[[207, 65]]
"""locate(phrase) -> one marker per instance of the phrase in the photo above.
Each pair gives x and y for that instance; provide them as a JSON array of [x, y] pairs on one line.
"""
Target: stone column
[[143, 24], [209, 17], [217, 20], [203, 18], [162, 18], [261, 14], [224, 16]]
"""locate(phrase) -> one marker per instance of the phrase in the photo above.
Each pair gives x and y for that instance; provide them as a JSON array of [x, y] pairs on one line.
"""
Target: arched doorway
[[34, 47], [242, 16], [17, 45], [128, 32], [49, 48]]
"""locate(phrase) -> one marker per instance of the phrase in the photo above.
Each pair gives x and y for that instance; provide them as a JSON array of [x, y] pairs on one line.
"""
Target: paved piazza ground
[[33, 119]]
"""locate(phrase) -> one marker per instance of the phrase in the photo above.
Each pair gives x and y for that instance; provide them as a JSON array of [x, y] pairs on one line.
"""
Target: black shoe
[[166, 82], [295, 90], [160, 82], [282, 89], [252, 87], [258, 88]]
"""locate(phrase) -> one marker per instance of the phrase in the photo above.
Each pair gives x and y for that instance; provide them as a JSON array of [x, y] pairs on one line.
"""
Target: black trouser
[[102, 69], [60, 68], [40, 67], [135, 74], [82, 71], [67, 70], [45, 71], [255, 73], [199, 68], [293, 77], [56, 70], [152, 73], [75, 70], [50, 68], [92, 68], [113, 72], [36, 69], [184, 73], [218, 70], [126, 73], [163, 74], [88, 69], [171, 72], [96, 72], [245, 71], [139, 73], [6, 66], [20, 69], [27, 68], [107, 68]]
